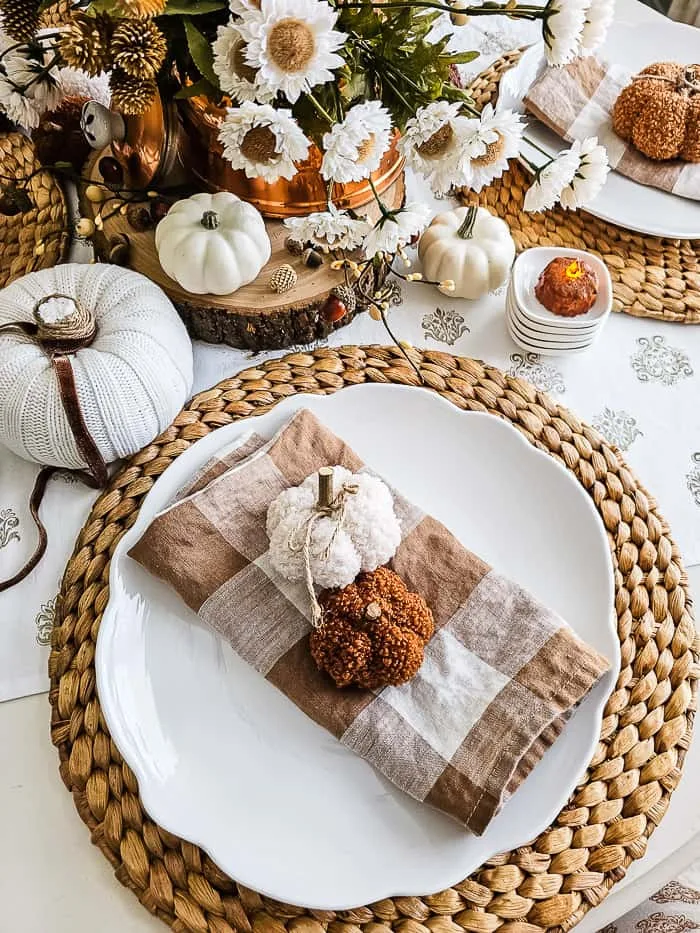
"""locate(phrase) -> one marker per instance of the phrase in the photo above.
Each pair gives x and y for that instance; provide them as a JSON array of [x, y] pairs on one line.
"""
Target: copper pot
[[303, 194], [152, 149]]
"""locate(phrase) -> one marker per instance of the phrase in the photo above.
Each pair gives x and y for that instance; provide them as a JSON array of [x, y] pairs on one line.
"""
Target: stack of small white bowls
[[538, 330]]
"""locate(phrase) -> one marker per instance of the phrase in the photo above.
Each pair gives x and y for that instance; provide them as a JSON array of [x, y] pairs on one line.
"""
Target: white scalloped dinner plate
[[226, 761]]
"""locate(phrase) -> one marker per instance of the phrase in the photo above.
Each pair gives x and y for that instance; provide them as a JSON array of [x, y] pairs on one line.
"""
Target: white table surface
[[52, 880]]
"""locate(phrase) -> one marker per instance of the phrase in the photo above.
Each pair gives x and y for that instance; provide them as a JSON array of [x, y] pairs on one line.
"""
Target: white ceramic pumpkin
[[131, 380], [212, 244], [470, 247]]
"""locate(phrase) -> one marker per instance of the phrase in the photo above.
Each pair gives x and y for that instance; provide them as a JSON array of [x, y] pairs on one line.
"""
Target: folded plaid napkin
[[576, 101], [500, 676]]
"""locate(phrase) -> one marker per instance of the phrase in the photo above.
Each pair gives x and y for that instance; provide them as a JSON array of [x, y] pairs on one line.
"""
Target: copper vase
[[303, 194]]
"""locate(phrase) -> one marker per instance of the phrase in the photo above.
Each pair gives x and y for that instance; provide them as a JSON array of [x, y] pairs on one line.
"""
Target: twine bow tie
[[327, 506], [689, 81]]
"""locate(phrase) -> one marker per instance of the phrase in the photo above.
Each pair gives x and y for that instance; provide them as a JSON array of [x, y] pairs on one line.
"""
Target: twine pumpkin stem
[[63, 324], [327, 506], [689, 81]]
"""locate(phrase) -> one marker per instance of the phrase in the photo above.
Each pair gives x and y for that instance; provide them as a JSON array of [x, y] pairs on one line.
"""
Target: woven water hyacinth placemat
[[652, 276], [36, 238], [550, 883]]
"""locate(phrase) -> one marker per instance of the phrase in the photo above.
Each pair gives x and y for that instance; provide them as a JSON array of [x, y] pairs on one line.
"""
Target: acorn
[[333, 310], [293, 246], [111, 170], [140, 217], [311, 258], [159, 209], [119, 249], [346, 294], [283, 279]]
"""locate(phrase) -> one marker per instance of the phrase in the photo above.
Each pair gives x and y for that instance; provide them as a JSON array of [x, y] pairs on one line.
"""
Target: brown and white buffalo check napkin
[[576, 101], [500, 676]]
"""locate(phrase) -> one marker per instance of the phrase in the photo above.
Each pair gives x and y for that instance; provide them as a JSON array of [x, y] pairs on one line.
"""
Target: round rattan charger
[[652, 276], [550, 883], [36, 238]]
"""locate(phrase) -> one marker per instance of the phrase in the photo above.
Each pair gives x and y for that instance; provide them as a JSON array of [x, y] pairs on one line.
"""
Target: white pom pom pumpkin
[[131, 379], [470, 247], [212, 244], [368, 536]]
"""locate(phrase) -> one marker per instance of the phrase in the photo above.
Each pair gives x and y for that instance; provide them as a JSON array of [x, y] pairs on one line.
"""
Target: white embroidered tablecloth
[[639, 385]]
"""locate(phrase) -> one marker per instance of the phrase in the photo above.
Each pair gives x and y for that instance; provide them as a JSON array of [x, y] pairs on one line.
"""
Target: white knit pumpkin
[[131, 380], [368, 537]]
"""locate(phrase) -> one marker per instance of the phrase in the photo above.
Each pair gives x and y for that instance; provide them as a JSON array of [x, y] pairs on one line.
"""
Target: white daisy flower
[[236, 77], [262, 141], [75, 83], [354, 148], [598, 19], [332, 228], [488, 145], [551, 180], [590, 176], [395, 230], [292, 44], [562, 28], [241, 7], [26, 93], [432, 144]]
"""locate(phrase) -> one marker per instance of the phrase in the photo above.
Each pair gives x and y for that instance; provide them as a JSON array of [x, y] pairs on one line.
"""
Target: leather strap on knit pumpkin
[[59, 339], [97, 474], [37, 495]]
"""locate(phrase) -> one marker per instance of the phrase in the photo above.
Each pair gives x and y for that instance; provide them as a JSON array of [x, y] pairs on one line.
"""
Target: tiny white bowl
[[535, 333], [544, 348], [526, 271], [555, 329]]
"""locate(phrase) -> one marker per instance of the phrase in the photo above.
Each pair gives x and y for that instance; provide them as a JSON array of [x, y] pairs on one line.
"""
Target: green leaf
[[462, 58], [201, 52], [193, 7], [201, 87]]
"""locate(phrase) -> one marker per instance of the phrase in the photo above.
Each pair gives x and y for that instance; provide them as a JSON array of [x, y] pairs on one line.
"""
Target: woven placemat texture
[[37, 238], [652, 276], [647, 725]]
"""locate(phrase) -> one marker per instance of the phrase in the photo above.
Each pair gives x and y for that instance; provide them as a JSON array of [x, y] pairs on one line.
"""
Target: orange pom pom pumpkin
[[373, 632], [659, 112]]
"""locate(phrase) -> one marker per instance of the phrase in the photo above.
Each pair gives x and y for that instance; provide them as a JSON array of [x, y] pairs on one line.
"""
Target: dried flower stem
[[320, 110], [519, 12]]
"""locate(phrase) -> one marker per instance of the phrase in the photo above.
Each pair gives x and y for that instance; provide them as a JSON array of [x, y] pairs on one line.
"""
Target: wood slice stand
[[254, 317]]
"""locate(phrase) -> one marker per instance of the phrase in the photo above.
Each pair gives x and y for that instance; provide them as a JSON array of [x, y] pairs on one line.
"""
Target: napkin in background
[[576, 101], [501, 674]]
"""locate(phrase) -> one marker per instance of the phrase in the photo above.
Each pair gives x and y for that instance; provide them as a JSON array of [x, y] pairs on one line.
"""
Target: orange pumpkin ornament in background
[[659, 112]]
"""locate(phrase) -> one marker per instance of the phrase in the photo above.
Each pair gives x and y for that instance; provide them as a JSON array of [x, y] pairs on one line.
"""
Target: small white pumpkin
[[212, 244], [367, 537], [470, 247]]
